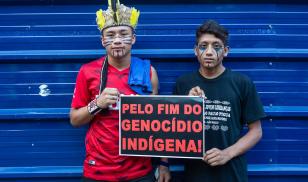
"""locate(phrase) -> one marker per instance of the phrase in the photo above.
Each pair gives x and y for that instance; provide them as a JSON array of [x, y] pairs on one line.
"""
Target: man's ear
[[102, 40], [226, 50], [134, 39], [195, 51]]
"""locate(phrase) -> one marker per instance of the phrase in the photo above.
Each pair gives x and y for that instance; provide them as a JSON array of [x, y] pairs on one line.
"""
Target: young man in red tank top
[[98, 86]]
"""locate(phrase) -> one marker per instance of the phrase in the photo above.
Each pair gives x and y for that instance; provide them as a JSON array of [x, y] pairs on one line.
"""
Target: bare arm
[[249, 140], [154, 81], [216, 157], [81, 116]]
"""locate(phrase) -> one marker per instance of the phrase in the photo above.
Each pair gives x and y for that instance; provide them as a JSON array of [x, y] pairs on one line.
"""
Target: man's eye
[[202, 46], [217, 46]]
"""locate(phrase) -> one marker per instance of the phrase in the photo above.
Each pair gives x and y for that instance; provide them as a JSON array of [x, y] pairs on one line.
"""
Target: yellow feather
[[134, 17], [100, 19]]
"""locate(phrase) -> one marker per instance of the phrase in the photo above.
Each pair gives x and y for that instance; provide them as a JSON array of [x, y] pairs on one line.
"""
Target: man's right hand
[[196, 91], [108, 97]]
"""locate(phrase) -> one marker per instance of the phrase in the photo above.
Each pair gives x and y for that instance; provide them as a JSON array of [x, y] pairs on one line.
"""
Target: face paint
[[218, 51], [117, 53], [118, 38], [126, 39], [107, 42], [217, 48]]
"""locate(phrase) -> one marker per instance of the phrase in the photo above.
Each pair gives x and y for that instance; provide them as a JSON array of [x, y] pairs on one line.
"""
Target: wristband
[[163, 163], [93, 107]]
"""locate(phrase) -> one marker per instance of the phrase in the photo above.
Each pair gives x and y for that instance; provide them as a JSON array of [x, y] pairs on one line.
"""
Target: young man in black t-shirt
[[232, 102]]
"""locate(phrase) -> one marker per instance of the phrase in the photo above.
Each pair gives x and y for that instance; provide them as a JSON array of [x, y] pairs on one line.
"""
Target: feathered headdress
[[117, 14]]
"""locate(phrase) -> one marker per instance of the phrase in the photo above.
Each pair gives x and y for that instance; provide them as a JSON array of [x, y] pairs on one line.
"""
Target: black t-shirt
[[232, 101]]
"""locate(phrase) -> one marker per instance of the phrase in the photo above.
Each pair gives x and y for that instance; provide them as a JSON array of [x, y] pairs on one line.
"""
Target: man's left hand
[[216, 157], [164, 174]]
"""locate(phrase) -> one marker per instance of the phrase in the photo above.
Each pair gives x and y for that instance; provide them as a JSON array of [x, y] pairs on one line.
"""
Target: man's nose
[[117, 40], [209, 50]]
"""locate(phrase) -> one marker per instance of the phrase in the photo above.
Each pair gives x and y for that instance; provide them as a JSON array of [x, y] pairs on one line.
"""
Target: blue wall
[[43, 46]]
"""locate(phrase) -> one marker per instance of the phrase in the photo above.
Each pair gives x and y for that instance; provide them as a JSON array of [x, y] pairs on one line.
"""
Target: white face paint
[[126, 39]]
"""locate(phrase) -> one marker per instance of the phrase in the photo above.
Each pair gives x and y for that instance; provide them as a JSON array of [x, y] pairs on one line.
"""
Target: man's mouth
[[208, 60], [117, 48]]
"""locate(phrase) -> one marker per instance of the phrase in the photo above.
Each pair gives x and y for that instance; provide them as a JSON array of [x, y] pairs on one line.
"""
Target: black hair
[[213, 27]]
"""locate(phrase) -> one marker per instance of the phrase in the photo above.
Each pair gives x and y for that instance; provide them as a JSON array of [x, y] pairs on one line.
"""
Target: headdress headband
[[116, 15]]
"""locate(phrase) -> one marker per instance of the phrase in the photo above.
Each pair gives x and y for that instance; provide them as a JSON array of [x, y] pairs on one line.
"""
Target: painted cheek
[[107, 42], [127, 40], [218, 52], [201, 51]]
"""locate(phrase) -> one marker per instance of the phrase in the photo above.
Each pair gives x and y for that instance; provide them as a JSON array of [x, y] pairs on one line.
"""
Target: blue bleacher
[[44, 44]]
